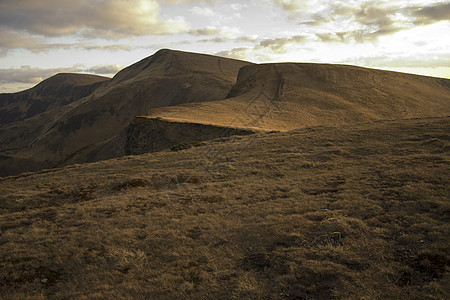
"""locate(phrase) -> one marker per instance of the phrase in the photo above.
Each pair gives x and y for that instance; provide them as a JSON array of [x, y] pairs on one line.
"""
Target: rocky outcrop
[[154, 134]]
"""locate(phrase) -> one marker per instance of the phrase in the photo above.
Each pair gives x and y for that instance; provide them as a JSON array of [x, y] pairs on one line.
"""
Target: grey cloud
[[206, 31], [330, 37], [278, 44], [224, 39], [374, 19], [225, 32], [99, 18], [104, 69], [237, 53], [27, 74], [432, 14], [10, 39]]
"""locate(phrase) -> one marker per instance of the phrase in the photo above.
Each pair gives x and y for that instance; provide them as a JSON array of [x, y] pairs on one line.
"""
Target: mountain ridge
[[192, 88], [305, 94]]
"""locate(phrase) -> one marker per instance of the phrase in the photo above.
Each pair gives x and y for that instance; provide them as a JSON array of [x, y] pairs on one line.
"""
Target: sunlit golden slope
[[290, 96]]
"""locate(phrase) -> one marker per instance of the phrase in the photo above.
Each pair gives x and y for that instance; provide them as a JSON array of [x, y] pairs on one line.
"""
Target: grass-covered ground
[[351, 212]]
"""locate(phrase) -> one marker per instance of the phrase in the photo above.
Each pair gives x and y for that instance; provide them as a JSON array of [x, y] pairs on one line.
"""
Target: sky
[[39, 38]]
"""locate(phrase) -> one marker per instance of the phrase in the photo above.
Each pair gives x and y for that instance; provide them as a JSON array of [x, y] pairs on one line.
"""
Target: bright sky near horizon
[[41, 38]]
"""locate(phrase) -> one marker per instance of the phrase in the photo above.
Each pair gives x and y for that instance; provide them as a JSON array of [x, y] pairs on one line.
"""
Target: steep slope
[[163, 79], [288, 96], [52, 93], [145, 135]]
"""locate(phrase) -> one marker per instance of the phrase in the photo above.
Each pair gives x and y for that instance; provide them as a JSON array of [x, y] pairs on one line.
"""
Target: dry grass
[[303, 95], [352, 212]]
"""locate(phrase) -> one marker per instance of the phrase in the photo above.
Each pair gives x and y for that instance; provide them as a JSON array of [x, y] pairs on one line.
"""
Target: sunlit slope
[[287, 96]]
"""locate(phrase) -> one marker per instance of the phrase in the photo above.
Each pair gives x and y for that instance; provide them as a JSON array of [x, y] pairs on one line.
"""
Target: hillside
[[52, 93], [166, 78], [358, 211], [187, 90], [290, 96]]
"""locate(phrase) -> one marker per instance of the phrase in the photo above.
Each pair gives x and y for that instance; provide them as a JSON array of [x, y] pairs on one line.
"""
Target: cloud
[[238, 6], [111, 19], [202, 11], [432, 14], [244, 38], [417, 61], [225, 32], [361, 21], [279, 45], [104, 69], [236, 53], [265, 49], [293, 6], [10, 40], [27, 74]]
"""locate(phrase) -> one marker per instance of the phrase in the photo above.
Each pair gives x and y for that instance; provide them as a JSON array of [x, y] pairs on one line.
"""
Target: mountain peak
[[169, 63]]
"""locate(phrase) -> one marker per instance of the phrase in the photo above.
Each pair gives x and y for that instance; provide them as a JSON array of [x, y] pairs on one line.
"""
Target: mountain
[[52, 93], [269, 181], [166, 78], [175, 97], [288, 96]]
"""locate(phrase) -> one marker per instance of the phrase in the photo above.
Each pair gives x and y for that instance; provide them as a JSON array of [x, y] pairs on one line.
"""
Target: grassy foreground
[[351, 212]]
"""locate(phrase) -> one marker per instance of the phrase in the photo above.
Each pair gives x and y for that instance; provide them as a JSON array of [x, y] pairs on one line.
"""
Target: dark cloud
[[432, 14], [94, 18]]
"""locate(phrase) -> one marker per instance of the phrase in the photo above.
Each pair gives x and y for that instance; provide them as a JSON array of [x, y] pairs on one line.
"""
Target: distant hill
[[52, 93], [177, 91]]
